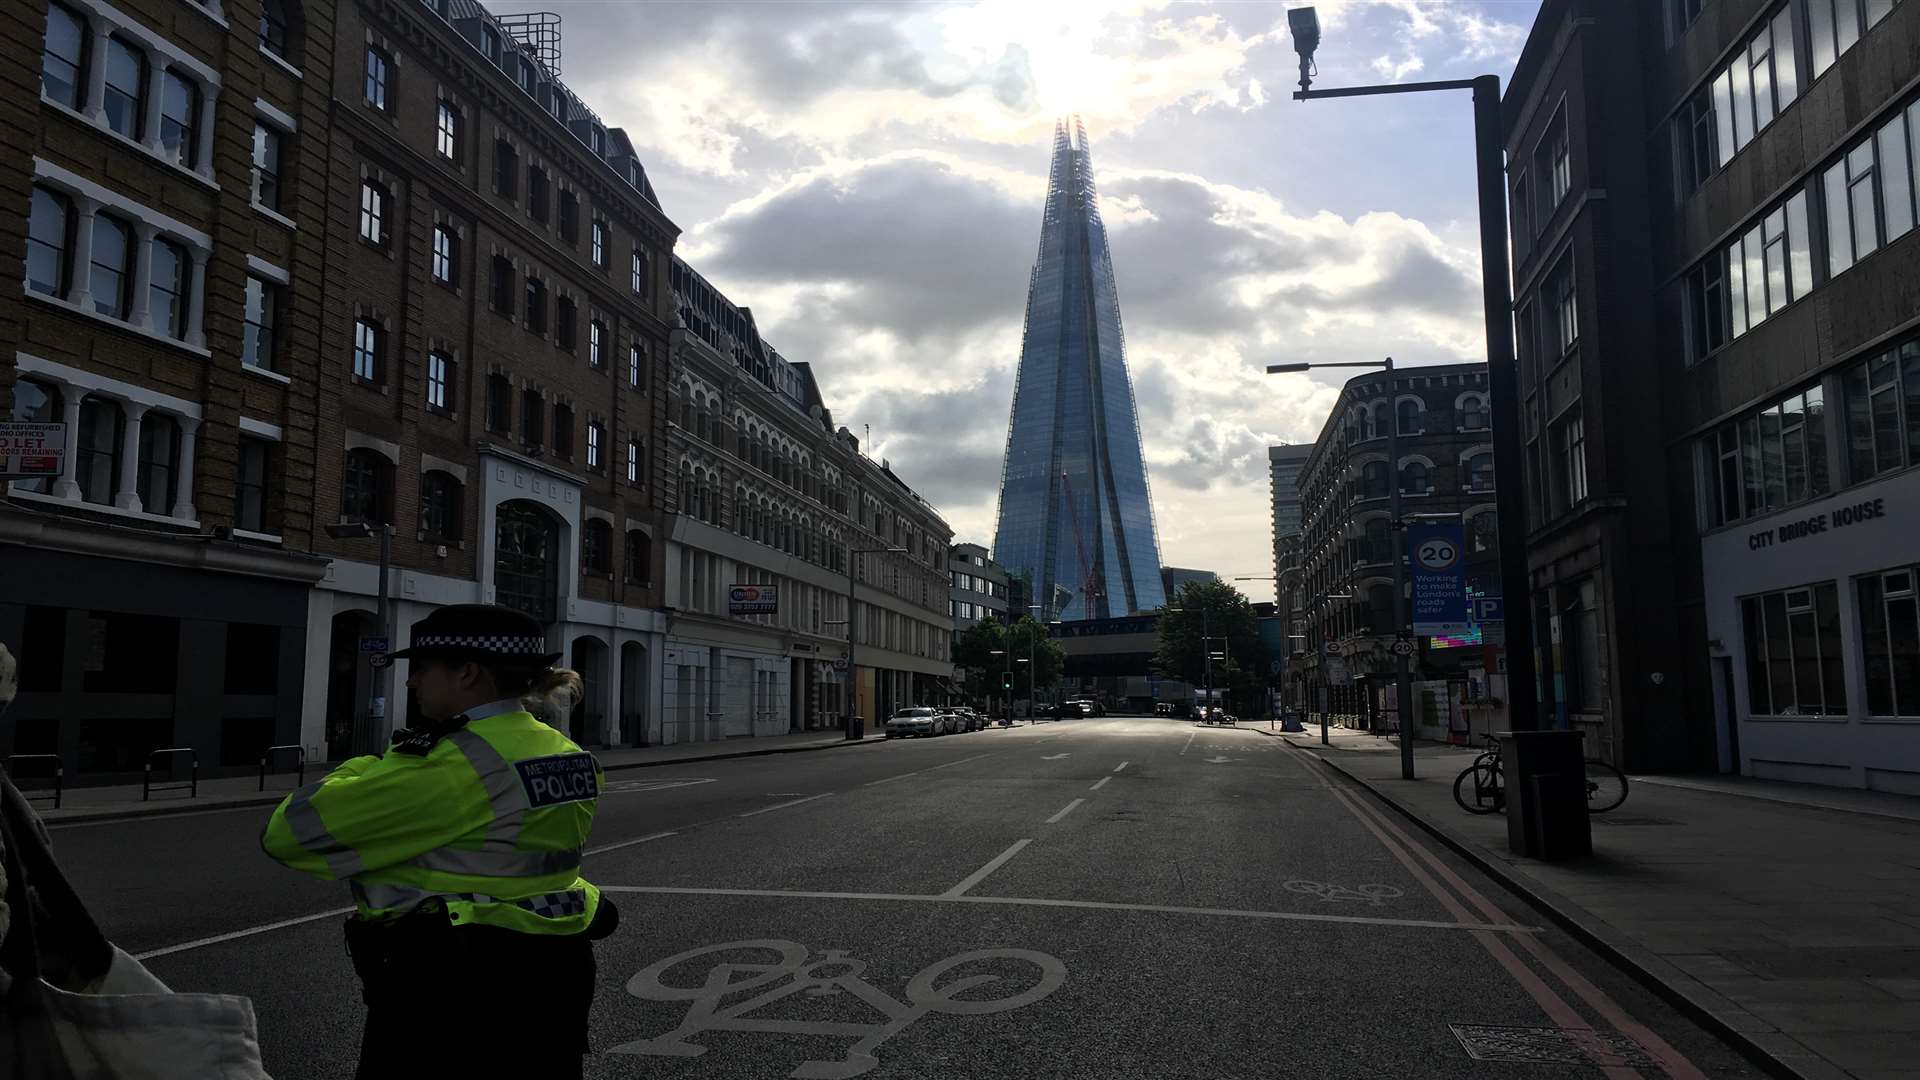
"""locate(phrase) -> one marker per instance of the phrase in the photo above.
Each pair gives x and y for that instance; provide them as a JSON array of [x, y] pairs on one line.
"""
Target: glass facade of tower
[[1076, 518]]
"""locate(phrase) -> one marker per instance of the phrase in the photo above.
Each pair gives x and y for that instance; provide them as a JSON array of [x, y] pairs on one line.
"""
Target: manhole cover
[[1607, 819], [1548, 1046]]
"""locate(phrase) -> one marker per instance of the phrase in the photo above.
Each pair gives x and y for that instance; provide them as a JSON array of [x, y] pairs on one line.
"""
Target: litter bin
[[1546, 785], [856, 727]]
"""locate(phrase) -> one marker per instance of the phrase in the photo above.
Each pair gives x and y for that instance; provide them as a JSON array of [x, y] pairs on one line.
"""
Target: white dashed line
[[784, 805], [962, 761], [249, 932], [629, 843], [1102, 782], [891, 779], [1068, 809], [980, 875], [1122, 765], [1183, 750]]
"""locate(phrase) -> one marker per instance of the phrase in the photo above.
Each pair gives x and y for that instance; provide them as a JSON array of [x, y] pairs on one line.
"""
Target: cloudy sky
[[868, 178]]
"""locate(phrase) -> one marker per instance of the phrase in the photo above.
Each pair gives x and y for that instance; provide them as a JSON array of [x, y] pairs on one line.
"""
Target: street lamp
[[1503, 381], [364, 739], [1007, 652], [852, 707], [1402, 681]]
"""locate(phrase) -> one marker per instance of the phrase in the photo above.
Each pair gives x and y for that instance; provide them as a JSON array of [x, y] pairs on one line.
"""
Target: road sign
[[1437, 556], [840, 663], [29, 449], [1489, 609], [379, 659], [1403, 646], [375, 645]]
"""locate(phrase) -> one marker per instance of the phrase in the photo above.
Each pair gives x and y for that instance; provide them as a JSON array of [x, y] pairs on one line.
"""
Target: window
[[639, 271], [635, 371], [1837, 24], [599, 243], [273, 27], [1411, 417], [167, 298], [439, 381], [1882, 396], [1563, 306], [593, 445], [1570, 464], [126, 88], [536, 305], [499, 403], [639, 557], [533, 416], [63, 61], [446, 252], [1793, 652], [1553, 163], [1414, 479], [366, 350], [1874, 175], [158, 467], [440, 504], [1684, 12], [633, 461], [447, 131], [97, 460], [563, 432], [490, 44], [267, 145], [1373, 480], [250, 486], [377, 64], [366, 493], [1769, 459], [373, 213], [566, 324], [501, 285], [1738, 102], [49, 242], [179, 118], [1473, 413], [596, 342], [596, 543], [537, 193], [1767, 267], [1479, 469], [1483, 532], [1890, 638], [506, 169], [36, 403], [112, 269], [569, 217], [524, 74], [257, 338]]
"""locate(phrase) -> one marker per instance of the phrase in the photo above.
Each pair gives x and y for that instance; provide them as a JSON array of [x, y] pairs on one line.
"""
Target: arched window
[[740, 438], [639, 557], [1377, 421], [686, 406], [686, 488], [1412, 417], [277, 28], [1413, 479], [440, 505], [1373, 480], [1473, 413], [1479, 469], [700, 416], [367, 493], [765, 535], [596, 546]]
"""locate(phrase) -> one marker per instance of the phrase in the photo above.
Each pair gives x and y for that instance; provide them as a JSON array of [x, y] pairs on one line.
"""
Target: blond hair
[[549, 693]]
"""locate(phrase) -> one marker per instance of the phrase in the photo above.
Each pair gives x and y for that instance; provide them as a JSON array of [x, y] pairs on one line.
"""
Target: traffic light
[[1006, 681]]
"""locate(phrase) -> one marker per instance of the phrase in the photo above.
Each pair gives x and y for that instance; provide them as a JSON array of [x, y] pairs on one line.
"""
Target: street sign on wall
[[1437, 555], [753, 600], [31, 449]]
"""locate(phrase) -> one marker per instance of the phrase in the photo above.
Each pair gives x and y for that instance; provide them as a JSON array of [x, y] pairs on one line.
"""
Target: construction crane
[[1092, 585]]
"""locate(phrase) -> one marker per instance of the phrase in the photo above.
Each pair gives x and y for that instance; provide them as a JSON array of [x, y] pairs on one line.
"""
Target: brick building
[[1347, 543]]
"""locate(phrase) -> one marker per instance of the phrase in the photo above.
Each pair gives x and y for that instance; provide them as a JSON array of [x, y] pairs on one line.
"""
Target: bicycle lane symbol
[[833, 973]]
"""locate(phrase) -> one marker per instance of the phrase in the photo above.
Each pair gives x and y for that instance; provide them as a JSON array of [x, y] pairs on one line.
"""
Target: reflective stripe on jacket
[[492, 820]]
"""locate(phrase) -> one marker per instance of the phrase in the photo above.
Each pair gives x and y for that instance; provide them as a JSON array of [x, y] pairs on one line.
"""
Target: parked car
[[914, 721], [975, 722], [955, 723]]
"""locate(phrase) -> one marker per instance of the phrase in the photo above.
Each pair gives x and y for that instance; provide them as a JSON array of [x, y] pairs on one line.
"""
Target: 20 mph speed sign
[[1436, 554]]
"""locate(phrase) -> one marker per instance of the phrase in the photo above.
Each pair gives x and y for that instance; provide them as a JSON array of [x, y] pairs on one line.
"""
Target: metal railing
[[59, 775], [193, 786], [301, 776]]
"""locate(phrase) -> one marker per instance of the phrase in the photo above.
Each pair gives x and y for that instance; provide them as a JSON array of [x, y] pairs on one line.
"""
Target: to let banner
[[753, 600], [30, 449], [1437, 555]]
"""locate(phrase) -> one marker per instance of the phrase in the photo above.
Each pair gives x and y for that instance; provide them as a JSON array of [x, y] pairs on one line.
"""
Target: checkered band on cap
[[509, 645]]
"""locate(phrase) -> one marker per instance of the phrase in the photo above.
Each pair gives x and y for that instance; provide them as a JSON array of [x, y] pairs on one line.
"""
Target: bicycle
[[1481, 787]]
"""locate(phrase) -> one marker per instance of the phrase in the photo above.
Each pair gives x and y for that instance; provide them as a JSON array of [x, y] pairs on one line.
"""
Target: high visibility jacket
[[491, 820]]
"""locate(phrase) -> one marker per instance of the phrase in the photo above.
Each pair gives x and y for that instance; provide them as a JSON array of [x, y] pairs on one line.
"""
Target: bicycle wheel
[[1606, 787], [1477, 789]]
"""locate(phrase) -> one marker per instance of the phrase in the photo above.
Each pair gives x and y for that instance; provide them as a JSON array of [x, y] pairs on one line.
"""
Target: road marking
[[1121, 766], [649, 785], [1217, 759], [1183, 750], [1055, 757], [962, 761], [784, 805], [980, 875], [1068, 809], [248, 932], [1102, 782], [628, 843], [891, 779], [262, 807], [1094, 905]]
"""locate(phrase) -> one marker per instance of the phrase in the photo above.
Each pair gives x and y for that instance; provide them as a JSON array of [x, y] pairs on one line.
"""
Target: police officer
[[472, 931]]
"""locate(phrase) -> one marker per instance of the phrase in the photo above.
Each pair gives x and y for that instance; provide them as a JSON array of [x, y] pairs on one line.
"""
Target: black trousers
[[471, 1000]]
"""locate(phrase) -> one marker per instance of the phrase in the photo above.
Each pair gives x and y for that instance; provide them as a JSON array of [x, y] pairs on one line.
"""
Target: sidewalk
[[1786, 916], [123, 801]]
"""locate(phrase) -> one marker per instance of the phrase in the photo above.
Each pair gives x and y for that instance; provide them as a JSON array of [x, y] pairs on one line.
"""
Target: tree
[[1220, 614], [973, 653], [1027, 637]]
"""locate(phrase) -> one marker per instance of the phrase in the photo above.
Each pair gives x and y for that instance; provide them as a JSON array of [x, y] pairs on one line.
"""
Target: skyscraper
[[1076, 519]]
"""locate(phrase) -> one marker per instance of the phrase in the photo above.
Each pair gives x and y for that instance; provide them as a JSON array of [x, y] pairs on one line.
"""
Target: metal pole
[[1403, 685], [1033, 681], [852, 700], [1503, 385], [377, 692]]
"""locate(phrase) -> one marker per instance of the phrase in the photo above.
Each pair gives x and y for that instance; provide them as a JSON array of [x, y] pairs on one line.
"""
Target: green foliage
[[1220, 615]]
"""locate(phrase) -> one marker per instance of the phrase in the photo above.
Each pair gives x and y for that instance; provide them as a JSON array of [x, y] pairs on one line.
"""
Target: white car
[[915, 721], [953, 722]]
